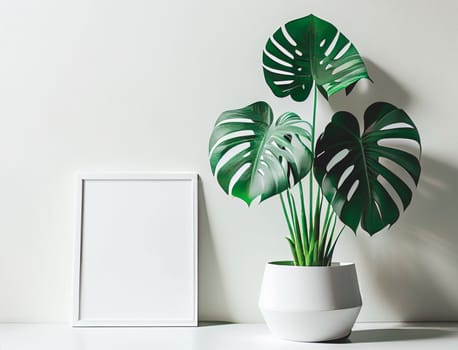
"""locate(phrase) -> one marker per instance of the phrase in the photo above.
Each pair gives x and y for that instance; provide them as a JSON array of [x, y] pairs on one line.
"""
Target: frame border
[[79, 215]]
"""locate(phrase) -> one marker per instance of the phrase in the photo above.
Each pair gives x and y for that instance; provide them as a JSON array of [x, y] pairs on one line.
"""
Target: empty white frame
[[136, 250]]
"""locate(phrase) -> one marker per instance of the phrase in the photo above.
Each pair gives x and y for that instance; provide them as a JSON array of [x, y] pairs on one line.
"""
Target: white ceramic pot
[[310, 303]]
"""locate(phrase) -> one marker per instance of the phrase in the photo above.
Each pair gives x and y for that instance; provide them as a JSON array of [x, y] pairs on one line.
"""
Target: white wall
[[136, 85]]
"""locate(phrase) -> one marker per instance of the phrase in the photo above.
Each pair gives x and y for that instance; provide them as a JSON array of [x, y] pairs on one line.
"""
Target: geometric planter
[[310, 303]]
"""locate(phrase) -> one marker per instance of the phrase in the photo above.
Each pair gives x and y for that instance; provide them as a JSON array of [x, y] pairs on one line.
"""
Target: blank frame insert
[[136, 250]]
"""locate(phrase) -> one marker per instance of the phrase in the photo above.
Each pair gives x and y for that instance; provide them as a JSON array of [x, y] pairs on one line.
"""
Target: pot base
[[311, 326]]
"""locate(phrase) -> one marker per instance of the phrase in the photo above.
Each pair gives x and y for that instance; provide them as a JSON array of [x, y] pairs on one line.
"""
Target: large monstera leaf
[[253, 157], [310, 49], [353, 170]]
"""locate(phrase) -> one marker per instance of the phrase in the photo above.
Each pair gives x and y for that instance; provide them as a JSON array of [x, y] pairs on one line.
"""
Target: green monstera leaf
[[251, 156], [352, 168], [310, 49]]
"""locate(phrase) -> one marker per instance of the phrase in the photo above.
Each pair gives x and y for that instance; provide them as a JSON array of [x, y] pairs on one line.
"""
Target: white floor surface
[[219, 336]]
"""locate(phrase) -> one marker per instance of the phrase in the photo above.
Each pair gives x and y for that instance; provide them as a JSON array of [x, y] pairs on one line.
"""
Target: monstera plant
[[348, 170], [349, 176]]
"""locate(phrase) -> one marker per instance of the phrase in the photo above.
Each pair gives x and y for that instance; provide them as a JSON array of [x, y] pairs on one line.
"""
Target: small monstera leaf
[[352, 169], [310, 49], [251, 156]]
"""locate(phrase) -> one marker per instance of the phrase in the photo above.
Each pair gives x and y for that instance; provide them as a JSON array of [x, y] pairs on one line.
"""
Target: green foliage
[[308, 50], [253, 157], [352, 184], [256, 156]]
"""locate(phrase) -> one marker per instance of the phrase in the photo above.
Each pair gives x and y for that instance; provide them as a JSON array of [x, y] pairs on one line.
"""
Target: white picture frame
[[136, 257]]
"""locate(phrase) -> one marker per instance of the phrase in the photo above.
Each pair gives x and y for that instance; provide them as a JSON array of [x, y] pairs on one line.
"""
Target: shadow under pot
[[310, 303]]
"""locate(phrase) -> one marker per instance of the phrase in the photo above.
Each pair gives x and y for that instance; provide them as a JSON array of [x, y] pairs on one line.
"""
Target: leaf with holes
[[310, 49], [353, 170], [251, 156]]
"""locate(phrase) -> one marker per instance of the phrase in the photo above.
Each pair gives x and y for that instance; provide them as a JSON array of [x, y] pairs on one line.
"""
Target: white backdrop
[[101, 85]]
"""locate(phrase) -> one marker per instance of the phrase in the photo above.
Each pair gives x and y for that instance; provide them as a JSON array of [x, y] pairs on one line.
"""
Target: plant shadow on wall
[[420, 284], [425, 241], [384, 87]]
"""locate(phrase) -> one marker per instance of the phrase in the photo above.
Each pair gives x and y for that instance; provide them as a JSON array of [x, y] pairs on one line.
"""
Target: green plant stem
[[292, 247], [291, 240], [295, 224], [331, 252], [323, 235], [329, 243], [285, 213], [305, 237], [327, 217], [313, 155]]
